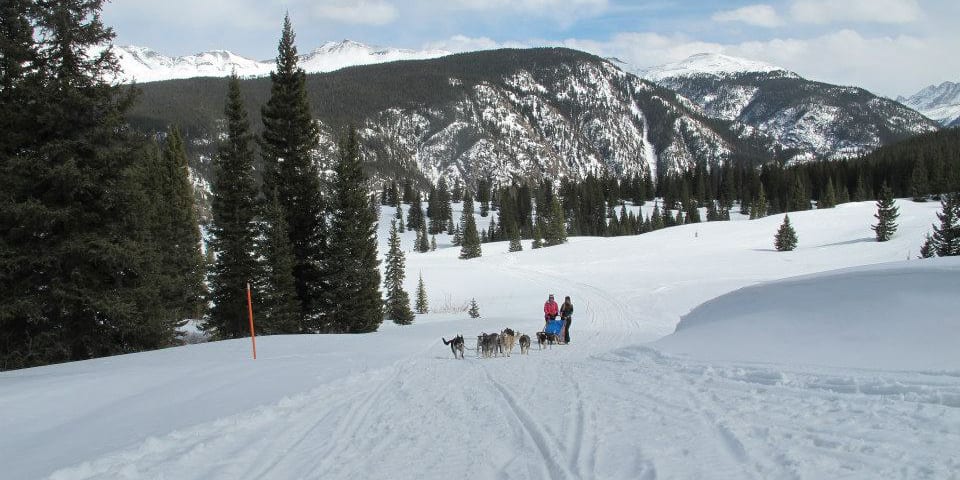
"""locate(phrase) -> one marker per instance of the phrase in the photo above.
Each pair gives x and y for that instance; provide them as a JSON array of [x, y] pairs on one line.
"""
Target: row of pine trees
[[307, 241], [100, 248]]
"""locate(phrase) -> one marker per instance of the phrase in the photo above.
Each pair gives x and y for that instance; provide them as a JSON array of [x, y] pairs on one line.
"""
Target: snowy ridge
[[715, 64], [938, 102], [808, 119], [777, 321], [144, 65]]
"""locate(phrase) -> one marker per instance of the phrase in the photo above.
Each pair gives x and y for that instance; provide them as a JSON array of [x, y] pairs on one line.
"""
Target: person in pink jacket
[[550, 309]]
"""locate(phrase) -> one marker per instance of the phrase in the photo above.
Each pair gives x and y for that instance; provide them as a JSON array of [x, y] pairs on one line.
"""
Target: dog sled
[[554, 327], [552, 333]]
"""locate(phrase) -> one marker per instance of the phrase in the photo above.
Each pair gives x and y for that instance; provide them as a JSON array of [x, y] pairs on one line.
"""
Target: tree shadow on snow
[[848, 242]]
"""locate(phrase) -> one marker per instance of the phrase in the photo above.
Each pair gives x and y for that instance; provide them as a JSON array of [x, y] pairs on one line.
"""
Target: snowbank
[[896, 316]]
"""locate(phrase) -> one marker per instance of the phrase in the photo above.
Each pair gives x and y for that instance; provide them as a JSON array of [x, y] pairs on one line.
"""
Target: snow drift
[[897, 316]]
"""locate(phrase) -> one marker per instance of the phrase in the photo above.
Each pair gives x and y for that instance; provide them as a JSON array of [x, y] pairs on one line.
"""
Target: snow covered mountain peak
[[716, 64], [143, 65], [937, 102]]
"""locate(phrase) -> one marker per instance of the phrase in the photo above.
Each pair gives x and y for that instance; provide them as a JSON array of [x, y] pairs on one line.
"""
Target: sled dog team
[[496, 344], [492, 344]]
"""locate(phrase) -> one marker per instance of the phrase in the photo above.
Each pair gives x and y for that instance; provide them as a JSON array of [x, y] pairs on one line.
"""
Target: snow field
[[395, 404]]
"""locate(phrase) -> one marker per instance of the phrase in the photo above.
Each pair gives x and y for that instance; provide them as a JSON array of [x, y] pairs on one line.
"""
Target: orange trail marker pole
[[253, 336]]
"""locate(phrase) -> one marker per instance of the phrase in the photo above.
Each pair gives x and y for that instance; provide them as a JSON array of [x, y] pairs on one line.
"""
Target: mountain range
[[806, 118], [938, 102], [144, 65], [532, 113]]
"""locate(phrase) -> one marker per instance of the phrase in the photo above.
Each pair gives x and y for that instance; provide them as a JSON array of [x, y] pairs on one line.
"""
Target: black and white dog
[[524, 344], [456, 345], [547, 338]]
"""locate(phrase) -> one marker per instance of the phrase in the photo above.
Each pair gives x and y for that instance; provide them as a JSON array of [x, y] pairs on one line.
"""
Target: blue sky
[[888, 46]]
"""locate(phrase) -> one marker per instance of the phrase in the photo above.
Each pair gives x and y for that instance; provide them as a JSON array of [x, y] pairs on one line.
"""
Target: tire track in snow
[[546, 449]]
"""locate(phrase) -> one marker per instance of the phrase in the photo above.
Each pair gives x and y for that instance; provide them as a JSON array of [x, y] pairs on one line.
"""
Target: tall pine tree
[[470, 243], [398, 302], [946, 237], [289, 171], [422, 305], [234, 229], [354, 275], [279, 307], [76, 248]]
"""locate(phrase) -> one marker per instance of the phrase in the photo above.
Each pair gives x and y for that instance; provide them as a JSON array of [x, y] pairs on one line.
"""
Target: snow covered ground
[[621, 401]]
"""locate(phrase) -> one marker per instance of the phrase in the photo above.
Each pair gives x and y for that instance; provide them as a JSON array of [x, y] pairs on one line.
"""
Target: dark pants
[[566, 330]]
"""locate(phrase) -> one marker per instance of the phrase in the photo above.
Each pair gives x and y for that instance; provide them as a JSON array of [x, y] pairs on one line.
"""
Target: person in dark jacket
[[566, 314]]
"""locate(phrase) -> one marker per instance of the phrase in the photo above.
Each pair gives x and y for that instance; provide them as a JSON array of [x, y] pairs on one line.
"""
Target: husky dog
[[541, 339], [547, 338], [524, 344], [488, 345], [456, 345], [507, 338]]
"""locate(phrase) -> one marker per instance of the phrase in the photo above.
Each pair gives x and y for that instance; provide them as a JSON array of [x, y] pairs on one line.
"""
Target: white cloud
[[856, 11], [887, 65], [756, 15], [644, 49], [356, 12], [462, 43], [564, 12]]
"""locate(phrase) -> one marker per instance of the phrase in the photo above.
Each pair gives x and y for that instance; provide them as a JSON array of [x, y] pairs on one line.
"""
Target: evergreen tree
[[946, 237], [353, 289], [470, 243], [829, 197], [761, 205], [799, 200], [692, 212], [887, 213], [399, 218], [423, 240], [80, 266], [457, 239], [513, 233], [278, 306], [415, 213], [234, 229], [927, 250], [786, 238], [172, 238], [537, 237], [556, 227], [863, 192], [289, 138], [398, 302], [656, 219], [422, 305], [919, 183], [444, 210], [474, 310]]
